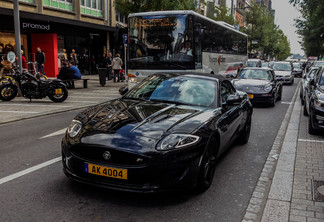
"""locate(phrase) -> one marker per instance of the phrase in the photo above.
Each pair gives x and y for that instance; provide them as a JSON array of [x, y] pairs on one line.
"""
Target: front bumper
[[260, 98], [288, 79], [178, 171], [298, 74], [317, 118]]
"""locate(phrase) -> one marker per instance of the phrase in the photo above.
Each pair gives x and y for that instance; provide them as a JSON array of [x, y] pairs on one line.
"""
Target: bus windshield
[[161, 42]]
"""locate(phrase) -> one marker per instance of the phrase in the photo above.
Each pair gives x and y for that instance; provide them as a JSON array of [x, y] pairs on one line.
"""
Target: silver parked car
[[305, 80], [284, 70]]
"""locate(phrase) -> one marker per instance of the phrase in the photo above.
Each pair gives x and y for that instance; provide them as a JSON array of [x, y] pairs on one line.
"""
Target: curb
[[258, 201]]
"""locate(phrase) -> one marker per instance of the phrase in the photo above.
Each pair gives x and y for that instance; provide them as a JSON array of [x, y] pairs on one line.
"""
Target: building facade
[[58, 27]]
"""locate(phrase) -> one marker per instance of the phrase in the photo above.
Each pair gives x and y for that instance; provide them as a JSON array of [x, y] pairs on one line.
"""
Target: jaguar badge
[[106, 155]]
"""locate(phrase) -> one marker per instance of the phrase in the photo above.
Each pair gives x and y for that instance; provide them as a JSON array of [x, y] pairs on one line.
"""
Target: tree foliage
[[221, 13], [132, 6], [264, 36], [311, 26]]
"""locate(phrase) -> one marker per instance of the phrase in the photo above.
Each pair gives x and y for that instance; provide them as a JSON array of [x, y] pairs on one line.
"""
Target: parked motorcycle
[[32, 87]]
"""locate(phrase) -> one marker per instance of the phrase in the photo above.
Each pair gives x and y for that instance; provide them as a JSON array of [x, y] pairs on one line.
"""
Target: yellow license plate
[[105, 171], [58, 91], [251, 96]]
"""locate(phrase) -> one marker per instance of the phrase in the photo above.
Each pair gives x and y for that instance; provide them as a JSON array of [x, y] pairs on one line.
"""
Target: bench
[[85, 82]]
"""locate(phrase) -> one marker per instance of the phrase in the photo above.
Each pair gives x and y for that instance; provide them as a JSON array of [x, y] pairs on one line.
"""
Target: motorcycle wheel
[[59, 95], [8, 92]]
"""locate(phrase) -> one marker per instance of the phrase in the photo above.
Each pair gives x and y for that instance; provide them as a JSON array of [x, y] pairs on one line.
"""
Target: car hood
[[242, 84], [123, 123], [282, 73]]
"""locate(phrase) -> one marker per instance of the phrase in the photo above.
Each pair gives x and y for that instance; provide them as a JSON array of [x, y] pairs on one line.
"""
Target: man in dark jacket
[[40, 59]]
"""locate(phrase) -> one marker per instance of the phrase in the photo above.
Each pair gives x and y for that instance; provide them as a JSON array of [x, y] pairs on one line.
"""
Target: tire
[[280, 94], [273, 101], [58, 98], [245, 134], [305, 110], [8, 92], [311, 129], [207, 167]]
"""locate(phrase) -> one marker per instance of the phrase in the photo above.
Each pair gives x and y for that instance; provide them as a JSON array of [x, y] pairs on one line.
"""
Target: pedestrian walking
[[116, 66], [109, 63], [40, 59], [23, 61]]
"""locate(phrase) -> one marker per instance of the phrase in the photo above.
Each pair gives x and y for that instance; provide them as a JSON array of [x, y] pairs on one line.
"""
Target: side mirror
[[123, 90], [233, 100]]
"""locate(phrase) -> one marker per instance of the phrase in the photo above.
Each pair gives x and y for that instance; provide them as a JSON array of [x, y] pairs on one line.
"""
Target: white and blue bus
[[174, 41]]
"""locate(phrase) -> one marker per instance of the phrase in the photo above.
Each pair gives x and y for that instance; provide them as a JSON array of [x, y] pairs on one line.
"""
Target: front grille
[[118, 157]]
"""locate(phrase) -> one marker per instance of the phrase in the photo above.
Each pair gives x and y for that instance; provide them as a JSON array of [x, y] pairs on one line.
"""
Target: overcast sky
[[284, 17]]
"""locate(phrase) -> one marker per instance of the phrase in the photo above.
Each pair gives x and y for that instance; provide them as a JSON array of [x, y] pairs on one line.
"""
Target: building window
[[60, 4], [92, 7]]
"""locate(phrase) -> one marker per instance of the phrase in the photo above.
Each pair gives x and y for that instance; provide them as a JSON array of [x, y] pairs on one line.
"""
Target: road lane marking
[[88, 97], [29, 170], [59, 132], [287, 103], [22, 104], [17, 112], [311, 141]]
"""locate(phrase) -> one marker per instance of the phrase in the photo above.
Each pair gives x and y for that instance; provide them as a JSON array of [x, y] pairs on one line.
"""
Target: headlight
[[268, 88], [74, 128], [319, 104], [132, 80], [174, 141]]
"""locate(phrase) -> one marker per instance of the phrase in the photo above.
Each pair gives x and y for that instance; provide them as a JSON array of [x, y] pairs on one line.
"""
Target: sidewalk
[[20, 108], [287, 187]]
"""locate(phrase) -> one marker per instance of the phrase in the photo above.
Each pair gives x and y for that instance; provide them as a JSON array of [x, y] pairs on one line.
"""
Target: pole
[[17, 33], [125, 53]]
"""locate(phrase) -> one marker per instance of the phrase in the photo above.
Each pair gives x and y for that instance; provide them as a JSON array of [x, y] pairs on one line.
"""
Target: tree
[[264, 36], [311, 26], [221, 13], [132, 6]]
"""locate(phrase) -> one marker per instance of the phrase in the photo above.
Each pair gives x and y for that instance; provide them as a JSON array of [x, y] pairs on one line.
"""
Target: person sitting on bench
[[76, 71], [66, 73]]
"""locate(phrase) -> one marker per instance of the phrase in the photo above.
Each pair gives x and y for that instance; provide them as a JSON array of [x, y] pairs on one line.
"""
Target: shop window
[[92, 7], [60, 4], [7, 44]]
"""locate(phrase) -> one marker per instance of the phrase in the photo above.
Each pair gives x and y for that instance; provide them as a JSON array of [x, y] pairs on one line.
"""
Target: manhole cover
[[318, 190]]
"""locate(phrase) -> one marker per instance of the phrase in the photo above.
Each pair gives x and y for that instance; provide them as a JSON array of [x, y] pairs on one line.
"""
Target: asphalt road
[[47, 195]]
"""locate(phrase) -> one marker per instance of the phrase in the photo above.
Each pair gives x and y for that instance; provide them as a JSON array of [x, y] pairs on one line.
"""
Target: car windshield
[[187, 90], [255, 74], [252, 63], [311, 73], [321, 82], [281, 66], [265, 64], [319, 64], [296, 65]]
